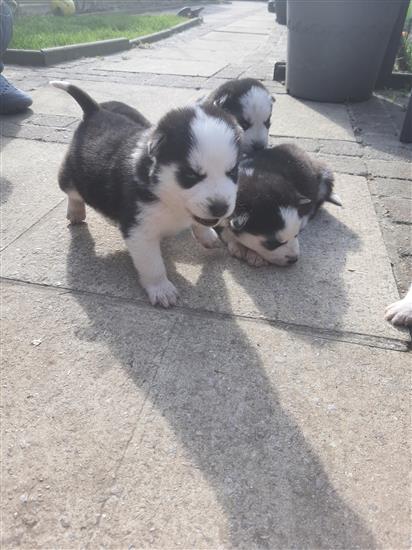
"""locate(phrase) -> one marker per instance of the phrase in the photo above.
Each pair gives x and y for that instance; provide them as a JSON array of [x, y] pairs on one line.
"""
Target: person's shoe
[[12, 100]]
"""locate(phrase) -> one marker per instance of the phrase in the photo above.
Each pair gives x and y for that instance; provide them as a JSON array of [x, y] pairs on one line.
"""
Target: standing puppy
[[152, 181], [280, 189], [251, 104]]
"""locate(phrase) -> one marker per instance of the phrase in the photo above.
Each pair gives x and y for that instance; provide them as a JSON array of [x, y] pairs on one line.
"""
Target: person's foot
[[12, 100]]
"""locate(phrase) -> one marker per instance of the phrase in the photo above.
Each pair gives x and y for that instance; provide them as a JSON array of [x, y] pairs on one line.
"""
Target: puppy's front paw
[[254, 260], [400, 313], [207, 236], [237, 250], [164, 294]]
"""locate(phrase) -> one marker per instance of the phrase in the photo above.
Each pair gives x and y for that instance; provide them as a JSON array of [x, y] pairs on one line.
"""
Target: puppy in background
[[279, 190], [251, 104], [152, 181]]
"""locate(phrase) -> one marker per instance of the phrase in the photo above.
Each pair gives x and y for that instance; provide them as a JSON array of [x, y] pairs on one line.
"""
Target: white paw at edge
[[400, 313]]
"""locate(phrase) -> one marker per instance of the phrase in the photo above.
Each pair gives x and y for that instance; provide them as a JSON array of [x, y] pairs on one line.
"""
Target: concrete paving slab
[[344, 148], [272, 436], [185, 53], [383, 168], [247, 28], [345, 164], [230, 38], [153, 101], [342, 282], [213, 46], [399, 210], [27, 193], [163, 66], [298, 118], [385, 187], [132, 427], [70, 409]]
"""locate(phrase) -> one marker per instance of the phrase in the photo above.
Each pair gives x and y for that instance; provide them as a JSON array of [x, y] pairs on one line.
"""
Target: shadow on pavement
[[312, 293], [268, 480]]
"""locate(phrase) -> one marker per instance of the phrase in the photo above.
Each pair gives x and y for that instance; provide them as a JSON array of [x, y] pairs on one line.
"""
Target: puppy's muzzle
[[291, 259], [258, 145], [218, 208], [209, 222]]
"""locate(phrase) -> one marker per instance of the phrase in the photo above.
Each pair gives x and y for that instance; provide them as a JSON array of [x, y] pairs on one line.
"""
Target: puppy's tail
[[88, 104]]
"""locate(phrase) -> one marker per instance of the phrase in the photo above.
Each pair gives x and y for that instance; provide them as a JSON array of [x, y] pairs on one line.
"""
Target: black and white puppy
[[152, 181], [251, 104], [279, 190]]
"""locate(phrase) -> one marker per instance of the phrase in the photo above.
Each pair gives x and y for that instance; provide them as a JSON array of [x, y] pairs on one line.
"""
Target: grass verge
[[47, 31]]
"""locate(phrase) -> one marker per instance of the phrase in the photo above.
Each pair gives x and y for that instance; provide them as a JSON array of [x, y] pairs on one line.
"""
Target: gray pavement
[[271, 408]]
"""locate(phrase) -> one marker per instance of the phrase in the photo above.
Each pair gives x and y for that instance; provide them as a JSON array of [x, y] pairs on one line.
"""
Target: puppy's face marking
[[279, 247], [204, 179], [255, 118], [251, 104]]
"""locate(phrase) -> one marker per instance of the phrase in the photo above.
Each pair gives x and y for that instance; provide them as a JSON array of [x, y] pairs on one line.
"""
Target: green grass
[[45, 31], [404, 58], [409, 13]]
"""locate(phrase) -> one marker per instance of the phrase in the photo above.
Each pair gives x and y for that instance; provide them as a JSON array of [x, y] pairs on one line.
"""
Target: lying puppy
[[152, 181], [251, 104], [280, 189], [400, 313]]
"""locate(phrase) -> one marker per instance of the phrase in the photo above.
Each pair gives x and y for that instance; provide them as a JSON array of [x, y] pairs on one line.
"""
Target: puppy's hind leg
[[76, 208]]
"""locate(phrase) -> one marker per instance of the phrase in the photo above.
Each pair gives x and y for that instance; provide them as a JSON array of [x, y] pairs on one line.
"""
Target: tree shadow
[[215, 393]]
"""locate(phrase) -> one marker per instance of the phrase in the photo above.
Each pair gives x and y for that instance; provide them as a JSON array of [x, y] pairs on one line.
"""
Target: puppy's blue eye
[[192, 175], [233, 174], [188, 177], [267, 123], [245, 124], [271, 244]]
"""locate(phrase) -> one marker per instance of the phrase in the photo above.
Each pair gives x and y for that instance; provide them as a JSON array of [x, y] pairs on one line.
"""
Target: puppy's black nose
[[257, 146], [218, 208], [292, 259]]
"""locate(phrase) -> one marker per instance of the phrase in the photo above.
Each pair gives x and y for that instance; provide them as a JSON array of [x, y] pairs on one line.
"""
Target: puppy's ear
[[304, 205], [303, 200], [334, 198], [154, 143], [238, 222], [221, 101]]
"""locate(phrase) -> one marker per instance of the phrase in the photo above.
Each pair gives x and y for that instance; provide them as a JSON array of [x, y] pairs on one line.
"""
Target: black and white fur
[[152, 181], [251, 104], [280, 189]]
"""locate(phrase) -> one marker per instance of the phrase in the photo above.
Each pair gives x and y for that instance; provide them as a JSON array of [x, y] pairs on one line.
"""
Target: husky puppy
[[251, 104], [152, 181], [280, 189]]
